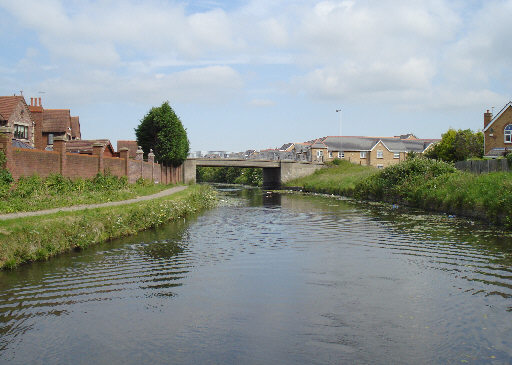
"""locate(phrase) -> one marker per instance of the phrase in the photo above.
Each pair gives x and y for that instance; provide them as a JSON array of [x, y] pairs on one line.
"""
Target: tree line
[[230, 175]]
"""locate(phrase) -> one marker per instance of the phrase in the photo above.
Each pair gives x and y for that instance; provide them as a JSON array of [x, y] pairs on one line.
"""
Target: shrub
[[5, 175], [509, 158], [392, 180]]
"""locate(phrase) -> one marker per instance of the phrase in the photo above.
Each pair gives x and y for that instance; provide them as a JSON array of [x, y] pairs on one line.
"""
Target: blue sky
[[257, 74]]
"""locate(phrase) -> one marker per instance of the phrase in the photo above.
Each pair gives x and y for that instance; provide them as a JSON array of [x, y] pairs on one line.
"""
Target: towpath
[[92, 206]]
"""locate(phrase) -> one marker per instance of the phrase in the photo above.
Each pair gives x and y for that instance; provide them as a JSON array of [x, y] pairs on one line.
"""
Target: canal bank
[[420, 183], [32, 238], [269, 278]]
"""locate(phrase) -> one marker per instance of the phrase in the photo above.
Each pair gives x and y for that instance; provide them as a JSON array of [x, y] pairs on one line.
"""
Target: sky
[[257, 74]]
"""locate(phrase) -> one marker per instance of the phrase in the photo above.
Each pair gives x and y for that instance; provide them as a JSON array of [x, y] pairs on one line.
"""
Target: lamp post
[[339, 111]]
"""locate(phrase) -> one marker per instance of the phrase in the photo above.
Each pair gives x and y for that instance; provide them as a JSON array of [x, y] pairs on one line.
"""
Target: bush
[[509, 158], [335, 162], [391, 181], [5, 175]]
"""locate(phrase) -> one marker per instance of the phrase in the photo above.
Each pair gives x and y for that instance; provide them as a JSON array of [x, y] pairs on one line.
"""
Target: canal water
[[271, 279]]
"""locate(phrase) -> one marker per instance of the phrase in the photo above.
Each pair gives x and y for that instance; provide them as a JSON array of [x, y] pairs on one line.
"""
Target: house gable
[[380, 143], [17, 116], [494, 133], [498, 116]]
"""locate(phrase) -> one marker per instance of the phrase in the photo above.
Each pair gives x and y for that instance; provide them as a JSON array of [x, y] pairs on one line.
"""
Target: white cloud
[[198, 85], [261, 103], [351, 80], [435, 53]]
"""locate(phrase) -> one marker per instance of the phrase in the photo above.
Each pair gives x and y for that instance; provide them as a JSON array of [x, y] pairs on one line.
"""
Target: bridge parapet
[[275, 173]]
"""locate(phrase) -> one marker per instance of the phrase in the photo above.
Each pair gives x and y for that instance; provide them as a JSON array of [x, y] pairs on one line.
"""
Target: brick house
[[498, 132], [131, 145], [16, 115], [379, 152], [56, 123], [51, 123], [318, 151], [75, 128]]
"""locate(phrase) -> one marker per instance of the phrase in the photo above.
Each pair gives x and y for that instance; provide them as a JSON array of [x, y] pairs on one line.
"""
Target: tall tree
[[161, 130]]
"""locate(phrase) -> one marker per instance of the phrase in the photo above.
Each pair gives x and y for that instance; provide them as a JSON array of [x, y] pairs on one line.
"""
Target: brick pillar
[[151, 159], [59, 145], [97, 150], [123, 154], [139, 155], [6, 145]]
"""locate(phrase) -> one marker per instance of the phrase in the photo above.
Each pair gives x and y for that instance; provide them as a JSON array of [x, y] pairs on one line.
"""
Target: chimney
[[487, 118], [31, 101], [40, 102]]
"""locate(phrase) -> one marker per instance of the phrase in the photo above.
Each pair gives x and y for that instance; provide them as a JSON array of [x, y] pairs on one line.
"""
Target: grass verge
[[421, 183], [34, 193], [38, 238]]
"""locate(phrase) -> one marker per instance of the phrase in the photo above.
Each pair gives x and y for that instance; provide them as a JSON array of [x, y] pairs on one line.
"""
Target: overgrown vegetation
[[458, 146], [396, 180], [230, 175], [38, 238], [422, 183], [34, 193]]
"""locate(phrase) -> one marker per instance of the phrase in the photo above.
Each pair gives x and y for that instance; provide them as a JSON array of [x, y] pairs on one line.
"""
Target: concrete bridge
[[275, 173]]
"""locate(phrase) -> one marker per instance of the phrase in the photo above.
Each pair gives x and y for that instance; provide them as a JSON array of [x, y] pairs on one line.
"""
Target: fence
[[26, 162], [483, 166]]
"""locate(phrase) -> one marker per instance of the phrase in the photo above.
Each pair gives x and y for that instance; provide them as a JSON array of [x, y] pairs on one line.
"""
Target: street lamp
[[341, 152]]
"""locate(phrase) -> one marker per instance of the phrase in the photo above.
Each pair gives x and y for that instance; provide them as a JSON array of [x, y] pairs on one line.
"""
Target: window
[[396, 155], [362, 154], [380, 166], [319, 153], [20, 131], [508, 133], [330, 154], [50, 138], [380, 154], [341, 154]]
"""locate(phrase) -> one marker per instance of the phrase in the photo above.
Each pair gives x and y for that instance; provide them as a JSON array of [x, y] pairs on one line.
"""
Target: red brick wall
[[26, 162], [134, 170], [147, 172], [114, 165], [84, 166], [34, 162]]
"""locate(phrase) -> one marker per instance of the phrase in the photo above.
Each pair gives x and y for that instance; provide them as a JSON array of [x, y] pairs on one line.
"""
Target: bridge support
[[271, 178], [189, 171]]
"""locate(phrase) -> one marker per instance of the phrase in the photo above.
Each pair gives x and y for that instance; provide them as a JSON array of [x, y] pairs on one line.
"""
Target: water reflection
[[150, 264], [271, 278]]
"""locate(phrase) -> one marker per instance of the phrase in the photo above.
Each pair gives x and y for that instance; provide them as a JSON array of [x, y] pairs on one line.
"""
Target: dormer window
[[508, 133]]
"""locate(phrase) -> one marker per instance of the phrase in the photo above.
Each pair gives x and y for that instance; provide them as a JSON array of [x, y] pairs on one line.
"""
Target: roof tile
[[56, 120]]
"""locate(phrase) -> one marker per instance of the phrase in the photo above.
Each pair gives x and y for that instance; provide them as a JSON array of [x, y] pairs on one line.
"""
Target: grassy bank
[[34, 193], [38, 238], [339, 179], [422, 183]]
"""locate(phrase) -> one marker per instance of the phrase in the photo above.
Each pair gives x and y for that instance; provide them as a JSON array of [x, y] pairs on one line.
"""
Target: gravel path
[[92, 206]]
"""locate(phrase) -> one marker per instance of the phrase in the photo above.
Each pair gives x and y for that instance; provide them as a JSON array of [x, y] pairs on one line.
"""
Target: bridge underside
[[275, 173]]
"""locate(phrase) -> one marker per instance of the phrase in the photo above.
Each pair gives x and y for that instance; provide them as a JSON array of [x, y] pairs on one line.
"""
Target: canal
[[271, 279]]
